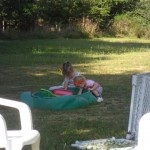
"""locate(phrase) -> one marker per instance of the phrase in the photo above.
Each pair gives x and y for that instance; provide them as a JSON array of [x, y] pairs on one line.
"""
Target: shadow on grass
[[71, 45]]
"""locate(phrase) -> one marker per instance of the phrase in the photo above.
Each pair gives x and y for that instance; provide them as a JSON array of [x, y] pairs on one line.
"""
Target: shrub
[[122, 26], [129, 25]]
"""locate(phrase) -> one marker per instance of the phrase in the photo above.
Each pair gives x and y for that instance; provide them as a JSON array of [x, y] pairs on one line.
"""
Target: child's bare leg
[[95, 92]]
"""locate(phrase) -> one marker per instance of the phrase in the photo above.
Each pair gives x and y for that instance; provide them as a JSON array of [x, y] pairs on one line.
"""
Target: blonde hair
[[79, 80], [67, 68]]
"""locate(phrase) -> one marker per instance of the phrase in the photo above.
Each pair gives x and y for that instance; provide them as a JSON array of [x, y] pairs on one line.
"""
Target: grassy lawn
[[32, 64]]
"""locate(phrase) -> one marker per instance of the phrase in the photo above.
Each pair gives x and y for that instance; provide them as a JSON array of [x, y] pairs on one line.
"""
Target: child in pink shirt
[[94, 87]]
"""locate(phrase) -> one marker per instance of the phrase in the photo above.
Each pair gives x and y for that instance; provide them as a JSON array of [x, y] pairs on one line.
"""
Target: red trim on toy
[[62, 92], [79, 82]]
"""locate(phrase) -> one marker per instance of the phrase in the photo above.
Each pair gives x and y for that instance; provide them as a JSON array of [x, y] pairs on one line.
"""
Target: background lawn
[[29, 65]]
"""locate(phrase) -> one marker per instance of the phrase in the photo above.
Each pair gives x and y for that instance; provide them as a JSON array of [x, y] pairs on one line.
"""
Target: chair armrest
[[24, 113]]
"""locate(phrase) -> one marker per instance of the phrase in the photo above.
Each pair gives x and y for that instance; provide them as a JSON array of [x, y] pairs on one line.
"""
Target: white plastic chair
[[144, 133], [16, 139]]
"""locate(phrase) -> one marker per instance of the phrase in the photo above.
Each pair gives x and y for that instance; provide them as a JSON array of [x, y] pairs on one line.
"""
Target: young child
[[94, 87], [68, 73]]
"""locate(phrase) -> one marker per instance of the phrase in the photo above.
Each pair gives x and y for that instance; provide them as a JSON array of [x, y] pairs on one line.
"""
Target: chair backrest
[[3, 132], [140, 102], [144, 132], [24, 112]]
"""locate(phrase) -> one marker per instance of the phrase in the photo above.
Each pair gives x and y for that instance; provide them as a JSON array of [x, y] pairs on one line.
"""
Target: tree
[[143, 11], [22, 14], [104, 11], [18, 14]]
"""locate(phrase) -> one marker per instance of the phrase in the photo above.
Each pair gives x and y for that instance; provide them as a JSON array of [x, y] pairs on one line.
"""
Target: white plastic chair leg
[[3, 134], [36, 146]]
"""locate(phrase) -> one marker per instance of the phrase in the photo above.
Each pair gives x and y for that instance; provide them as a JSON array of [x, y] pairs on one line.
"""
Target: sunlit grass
[[33, 64]]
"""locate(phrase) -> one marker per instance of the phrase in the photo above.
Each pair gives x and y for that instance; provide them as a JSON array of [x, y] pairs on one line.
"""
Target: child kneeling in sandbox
[[81, 82]]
